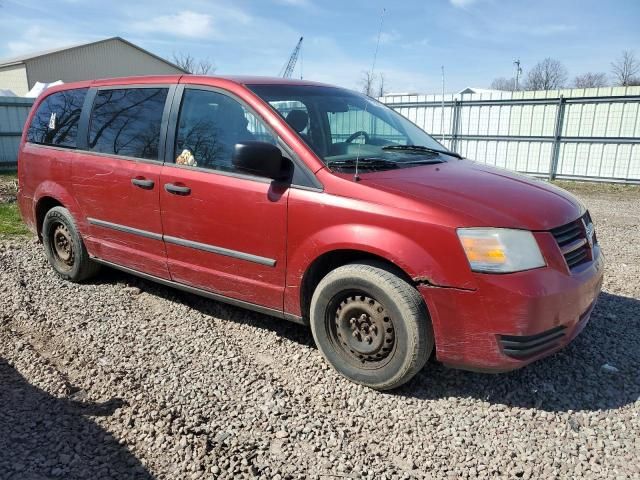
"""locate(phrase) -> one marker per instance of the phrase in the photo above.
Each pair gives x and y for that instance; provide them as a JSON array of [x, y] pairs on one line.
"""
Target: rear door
[[224, 231], [116, 180]]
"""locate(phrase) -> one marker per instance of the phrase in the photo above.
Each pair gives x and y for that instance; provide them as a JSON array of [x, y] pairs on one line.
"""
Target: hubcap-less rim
[[361, 330], [62, 246]]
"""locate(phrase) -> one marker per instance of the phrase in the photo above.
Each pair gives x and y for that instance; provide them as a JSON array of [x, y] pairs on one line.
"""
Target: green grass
[[8, 175], [10, 221]]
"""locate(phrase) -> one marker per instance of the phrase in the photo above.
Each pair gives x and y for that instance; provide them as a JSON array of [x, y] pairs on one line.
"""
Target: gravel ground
[[122, 378]]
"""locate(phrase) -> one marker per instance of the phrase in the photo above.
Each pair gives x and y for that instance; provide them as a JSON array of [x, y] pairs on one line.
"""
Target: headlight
[[500, 250]]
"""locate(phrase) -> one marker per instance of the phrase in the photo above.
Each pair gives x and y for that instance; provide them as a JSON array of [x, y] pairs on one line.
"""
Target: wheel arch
[[42, 206], [339, 244], [50, 194], [333, 259]]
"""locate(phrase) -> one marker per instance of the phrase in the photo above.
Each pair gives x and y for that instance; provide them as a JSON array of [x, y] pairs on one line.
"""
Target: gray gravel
[[122, 378]]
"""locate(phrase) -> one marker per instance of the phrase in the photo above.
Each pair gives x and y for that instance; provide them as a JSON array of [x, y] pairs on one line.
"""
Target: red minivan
[[315, 204]]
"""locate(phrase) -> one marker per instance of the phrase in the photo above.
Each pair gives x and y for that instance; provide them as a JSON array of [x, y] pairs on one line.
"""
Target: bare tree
[[367, 81], [189, 63], [626, 69], [502, 83], [205, 66], [548, 74], [184, 61], [382, 87], [590, 80]]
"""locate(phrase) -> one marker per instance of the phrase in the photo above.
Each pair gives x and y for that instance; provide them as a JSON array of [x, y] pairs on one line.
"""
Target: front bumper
[[514, 319]]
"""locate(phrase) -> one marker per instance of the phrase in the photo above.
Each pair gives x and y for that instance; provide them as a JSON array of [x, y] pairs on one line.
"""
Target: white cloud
[[218, 24], [184, 24], [41, 37], [419, 43], [462, 3], [387, 37], [551, 29], [294, 3]]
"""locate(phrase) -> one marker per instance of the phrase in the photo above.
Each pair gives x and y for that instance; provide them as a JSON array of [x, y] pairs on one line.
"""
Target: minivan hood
[[482, 195]]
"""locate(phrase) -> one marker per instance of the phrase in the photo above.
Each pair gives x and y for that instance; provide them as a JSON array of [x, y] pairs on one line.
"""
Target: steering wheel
[[359, 133]]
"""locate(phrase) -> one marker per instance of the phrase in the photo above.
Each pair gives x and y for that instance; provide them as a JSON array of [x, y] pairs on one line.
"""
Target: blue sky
[[476, 40]]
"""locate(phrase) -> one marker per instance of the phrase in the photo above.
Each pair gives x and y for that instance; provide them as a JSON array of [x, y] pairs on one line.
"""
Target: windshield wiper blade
[[421, 148], [365, 162], [422, 162]]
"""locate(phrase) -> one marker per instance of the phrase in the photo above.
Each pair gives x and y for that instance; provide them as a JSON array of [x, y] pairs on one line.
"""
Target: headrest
[[298, 119]]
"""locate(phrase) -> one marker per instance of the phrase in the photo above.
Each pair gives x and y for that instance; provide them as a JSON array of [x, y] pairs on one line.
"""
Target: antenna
[[442, 115], [373, 67]]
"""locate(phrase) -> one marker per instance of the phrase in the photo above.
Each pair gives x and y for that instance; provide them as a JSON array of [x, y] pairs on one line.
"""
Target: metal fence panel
[[13, 114], [591, 134]]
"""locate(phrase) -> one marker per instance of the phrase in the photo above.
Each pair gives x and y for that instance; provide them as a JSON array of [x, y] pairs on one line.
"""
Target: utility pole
[[516, 62]]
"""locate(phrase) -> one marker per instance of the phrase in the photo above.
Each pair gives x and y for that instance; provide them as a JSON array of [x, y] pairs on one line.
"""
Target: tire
[[64, 247], [346, 306]]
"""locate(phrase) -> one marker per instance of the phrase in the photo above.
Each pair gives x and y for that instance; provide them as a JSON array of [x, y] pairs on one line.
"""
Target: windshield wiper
[[364, 162], [420, 149], [422, 162]]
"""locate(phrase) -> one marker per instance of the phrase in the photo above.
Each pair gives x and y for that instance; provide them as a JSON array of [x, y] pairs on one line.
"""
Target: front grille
[[523, 346], [572, 240]]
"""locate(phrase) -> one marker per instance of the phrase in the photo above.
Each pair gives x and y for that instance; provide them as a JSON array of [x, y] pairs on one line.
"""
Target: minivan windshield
[[341, 126]]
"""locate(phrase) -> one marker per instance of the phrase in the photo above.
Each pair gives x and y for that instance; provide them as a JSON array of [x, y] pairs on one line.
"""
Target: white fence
[[585, 134]]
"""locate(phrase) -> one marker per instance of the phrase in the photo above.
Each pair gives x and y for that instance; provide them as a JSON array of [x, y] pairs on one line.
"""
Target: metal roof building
[[111, 57]]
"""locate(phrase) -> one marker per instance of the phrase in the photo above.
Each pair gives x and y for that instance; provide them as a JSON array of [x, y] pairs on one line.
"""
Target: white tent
[[40, 87], [6, 93]]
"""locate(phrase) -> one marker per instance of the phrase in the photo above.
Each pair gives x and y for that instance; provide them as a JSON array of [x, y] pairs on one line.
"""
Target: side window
[[127, 121], [56, 120], [209, 126]]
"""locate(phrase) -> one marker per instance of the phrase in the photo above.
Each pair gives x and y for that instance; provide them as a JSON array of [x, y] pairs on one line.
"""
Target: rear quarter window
[[127, 122], [56, 120]]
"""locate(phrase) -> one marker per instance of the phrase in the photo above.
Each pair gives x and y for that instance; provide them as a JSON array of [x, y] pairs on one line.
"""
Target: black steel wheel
[[62, 246], [360, 329], [371, 325]]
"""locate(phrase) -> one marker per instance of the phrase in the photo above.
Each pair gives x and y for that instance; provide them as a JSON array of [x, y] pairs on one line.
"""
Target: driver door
[[225, 231]]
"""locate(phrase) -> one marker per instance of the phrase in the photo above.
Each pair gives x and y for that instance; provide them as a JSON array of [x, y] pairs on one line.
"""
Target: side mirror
[[262, 159]]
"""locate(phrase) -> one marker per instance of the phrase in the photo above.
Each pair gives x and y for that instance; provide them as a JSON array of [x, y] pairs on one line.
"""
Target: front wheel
[[371, 325]]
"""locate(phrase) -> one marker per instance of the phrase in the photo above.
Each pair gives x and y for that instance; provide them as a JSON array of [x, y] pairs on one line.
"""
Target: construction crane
[[287, 70]]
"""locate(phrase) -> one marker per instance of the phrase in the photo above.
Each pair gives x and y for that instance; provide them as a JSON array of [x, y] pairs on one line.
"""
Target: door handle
[[142, 183], [177, 189]]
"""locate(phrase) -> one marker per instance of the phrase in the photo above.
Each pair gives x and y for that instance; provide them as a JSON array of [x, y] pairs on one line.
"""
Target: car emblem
[[588, 228]]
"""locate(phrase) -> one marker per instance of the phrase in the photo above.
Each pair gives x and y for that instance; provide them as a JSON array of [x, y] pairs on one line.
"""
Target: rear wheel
[[371, 325], [64, 247]]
